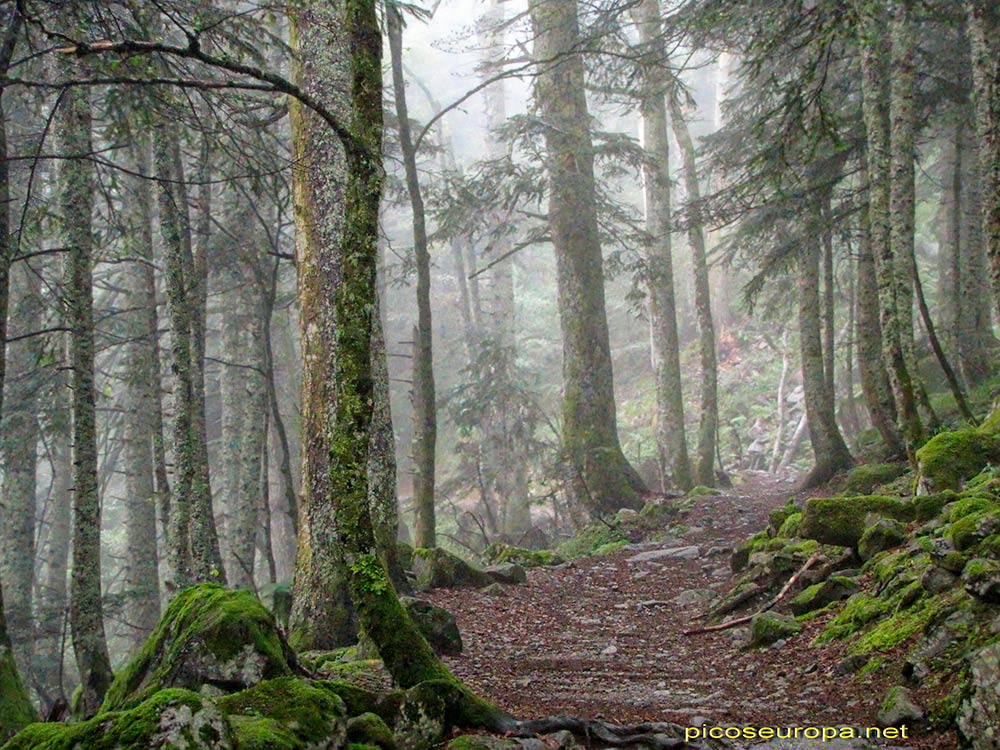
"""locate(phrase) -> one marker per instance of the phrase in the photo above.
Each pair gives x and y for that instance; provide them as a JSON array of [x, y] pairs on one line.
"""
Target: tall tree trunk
[[782, 409], [424, 407], [873, 32], [984, 33], [601, 477], [15, 709], [141, 398], [674, 463], [830, 451], [871, 363], [19, 439], [708, 427], [950, 237], [76, 206]]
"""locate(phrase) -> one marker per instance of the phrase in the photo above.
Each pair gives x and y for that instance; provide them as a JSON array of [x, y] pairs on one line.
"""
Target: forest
[[499, 374]]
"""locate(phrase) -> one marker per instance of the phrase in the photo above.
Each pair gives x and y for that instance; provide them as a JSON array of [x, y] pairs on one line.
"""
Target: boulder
[[286, 712], [770, 627], [439, 569], [947, 460], [861, 480], [210, 639], [898, 709], [842, 520], [170, 720], [821, 594], [498, 552], [436, 623], [368, 729], [937, 580], [689, 552], [982, 579], [884, 534], [508, 573], [979, 714]]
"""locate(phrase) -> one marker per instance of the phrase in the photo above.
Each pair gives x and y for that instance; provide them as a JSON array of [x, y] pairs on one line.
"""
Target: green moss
[[593, 537], [742, 554], [790, 526], [862, 480], [947, 460], [769, 627], [609, 548], [499, 553], [841, 520], [970, 505], [405, 552], [702, 491], [369, 729], [778, 516], [203, 623], [438, 568], [926, 507], [310, 713], [973, 528], [258, 733], [15, 708], [859, 610], [139, 728]]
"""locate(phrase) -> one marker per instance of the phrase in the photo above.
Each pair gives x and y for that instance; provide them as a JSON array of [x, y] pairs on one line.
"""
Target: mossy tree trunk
[[424, 406], [15, 708], [76, 200], [674, 462], [141, 396], [984, 33], [830, 451], [601, 478], [871, 363], [708, 424], [873, 33]]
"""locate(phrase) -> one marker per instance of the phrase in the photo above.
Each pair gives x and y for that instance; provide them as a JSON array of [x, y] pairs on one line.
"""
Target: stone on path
[[689, 552]]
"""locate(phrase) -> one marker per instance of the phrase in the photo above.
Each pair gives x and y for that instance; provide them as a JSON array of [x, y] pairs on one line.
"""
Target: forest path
[[583, 639]]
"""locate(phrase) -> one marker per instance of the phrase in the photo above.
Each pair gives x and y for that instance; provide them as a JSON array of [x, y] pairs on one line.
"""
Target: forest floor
[[602, 637]]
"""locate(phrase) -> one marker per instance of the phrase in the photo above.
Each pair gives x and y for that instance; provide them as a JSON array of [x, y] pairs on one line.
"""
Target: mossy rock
[[592, 538], [369, 729], [482, 742], [436, 623], [859, 610], [170, 720], [982, 579], [821, 594], [209, 636], [703, 491], [498, 552], [841, 520], [974, 528], [968, 505], [313, 716], [258, 733], [439, 569], [862, 480], [741, 556], [770, 627], [947, 460], [882, 535], [778, 516], [929, 506], [789, 528]]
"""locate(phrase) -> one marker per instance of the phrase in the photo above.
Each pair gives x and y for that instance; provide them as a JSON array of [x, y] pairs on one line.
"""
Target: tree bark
[[674, 462], [601, 478], [76, 206], [424, 406]]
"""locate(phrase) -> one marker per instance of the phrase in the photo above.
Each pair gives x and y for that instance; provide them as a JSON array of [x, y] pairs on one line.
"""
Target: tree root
[[653, 735]]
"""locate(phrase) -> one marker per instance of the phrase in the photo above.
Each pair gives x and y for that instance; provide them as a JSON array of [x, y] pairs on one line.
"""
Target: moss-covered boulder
[[949, 459], [861, 480], [436, 623], [423, 717], [899, 709], [770, 627], [982, 579], [482, 742], [170, 720], [821, 594], [498, 553], [439, 569], [884, 534], [313, 717], [979, 714], [968, 529], [209, 638], [369, 729], [841, 520], [507, 573]]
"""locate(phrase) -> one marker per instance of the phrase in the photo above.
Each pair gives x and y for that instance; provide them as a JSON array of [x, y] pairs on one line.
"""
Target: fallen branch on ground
[[770, 605]]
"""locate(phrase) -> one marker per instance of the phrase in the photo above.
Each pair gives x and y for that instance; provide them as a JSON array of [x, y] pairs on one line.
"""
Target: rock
[[693, 596], [482, 742], [289, 709], [422, 721], [609, 650], [982, 579], [509, 573], [769, 627], [626, 515], [439, 569], [863, 479], [884, 534], [979, 714], [208, 636], [495, 589], [369, 729], [947, 460], [852, 664], [563, 740], [684, 553], [821, 594], [172, 719], [841, 520], [436, 623], [937, 580], [898, 709]]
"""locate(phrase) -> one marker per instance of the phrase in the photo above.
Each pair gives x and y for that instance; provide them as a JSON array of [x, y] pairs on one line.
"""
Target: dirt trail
[[586, 639]]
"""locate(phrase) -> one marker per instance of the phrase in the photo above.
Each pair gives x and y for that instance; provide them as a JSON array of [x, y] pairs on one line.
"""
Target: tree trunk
[[601, 478], [76, 205], [873, 32], [984, 33], [424, 407], [674, 463], [141, 397], [782, 409], [830, 451]]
